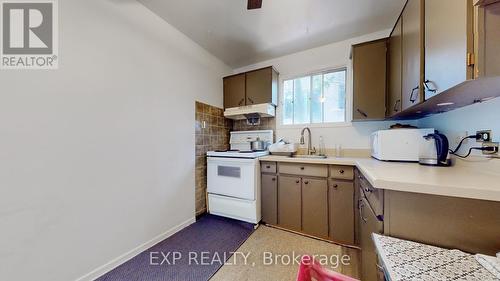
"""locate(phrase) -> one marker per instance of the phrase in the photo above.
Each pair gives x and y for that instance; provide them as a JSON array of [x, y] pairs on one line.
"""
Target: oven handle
[[232, 161]]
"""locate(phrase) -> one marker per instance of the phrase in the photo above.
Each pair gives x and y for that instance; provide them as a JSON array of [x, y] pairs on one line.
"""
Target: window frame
[[347, 114]]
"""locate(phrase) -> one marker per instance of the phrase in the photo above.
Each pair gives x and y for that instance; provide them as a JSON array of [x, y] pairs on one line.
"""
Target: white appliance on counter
[[233, 177], [398, 144]]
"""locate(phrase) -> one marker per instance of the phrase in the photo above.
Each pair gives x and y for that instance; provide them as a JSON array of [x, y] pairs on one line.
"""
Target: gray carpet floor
[[199, 251]]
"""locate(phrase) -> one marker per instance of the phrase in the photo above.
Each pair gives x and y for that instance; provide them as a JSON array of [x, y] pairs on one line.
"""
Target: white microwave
[[397, 144]]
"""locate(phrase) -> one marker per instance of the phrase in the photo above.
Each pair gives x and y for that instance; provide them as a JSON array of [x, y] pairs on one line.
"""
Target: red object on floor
[[310, 270]]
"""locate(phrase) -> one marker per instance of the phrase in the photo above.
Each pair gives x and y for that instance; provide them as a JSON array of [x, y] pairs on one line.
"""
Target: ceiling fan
[[254, 4]]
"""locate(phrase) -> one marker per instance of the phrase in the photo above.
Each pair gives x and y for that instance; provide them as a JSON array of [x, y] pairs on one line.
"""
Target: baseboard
[[96, 273]]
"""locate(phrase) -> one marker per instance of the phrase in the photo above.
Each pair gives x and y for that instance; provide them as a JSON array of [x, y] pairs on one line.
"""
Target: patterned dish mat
[[406, 260]]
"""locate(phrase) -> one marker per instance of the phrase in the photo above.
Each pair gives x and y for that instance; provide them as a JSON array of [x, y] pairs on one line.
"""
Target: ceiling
[[240, 37]]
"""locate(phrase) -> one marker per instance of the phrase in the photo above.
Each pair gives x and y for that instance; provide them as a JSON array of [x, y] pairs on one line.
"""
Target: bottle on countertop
[[322, 150]]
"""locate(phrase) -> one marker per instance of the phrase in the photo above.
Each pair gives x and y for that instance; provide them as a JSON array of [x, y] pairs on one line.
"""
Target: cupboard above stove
[[258, 86]]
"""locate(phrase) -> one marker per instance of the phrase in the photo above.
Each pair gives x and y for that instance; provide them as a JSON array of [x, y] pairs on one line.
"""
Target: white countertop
[[466, 179], [348, 161]]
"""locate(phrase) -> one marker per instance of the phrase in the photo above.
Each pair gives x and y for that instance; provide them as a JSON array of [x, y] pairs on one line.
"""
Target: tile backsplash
[[211, 133], [265, 124]]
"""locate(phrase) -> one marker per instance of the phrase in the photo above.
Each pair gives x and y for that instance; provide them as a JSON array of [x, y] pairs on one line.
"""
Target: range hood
[[250, 111]]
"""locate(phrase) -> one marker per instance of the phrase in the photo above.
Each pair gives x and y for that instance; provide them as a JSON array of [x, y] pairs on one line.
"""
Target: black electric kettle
[[434, 150]]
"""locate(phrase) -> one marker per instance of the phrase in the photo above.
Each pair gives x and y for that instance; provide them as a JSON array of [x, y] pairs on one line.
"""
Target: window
[[316, 98]]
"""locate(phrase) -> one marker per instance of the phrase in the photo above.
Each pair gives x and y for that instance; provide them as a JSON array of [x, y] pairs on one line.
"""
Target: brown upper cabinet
[[448, 44], [486, 41], [369, 79], [412, 49], [394, 69], [443, 55], [234, 91], [253, 87]]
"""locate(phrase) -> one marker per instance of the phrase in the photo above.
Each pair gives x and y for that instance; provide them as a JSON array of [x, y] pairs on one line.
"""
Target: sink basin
[[311, 156]]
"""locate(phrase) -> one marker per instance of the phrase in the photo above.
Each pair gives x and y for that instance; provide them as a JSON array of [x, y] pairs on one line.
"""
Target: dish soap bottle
[[322, 149]]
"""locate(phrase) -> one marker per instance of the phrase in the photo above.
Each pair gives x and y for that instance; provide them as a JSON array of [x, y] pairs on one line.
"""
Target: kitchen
[[369, 141]]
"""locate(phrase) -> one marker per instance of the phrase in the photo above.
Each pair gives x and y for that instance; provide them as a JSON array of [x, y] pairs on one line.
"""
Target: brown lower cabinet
[[315, 207], [269, 198], [369, 223], [314, 199], [456, 223], [341, 211], [289, 202], [303, 205]]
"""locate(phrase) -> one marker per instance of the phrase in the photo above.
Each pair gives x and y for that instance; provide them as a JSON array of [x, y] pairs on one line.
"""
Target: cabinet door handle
[[412, 98], [297, 181], [306, 182], [302, 168], [335, 186], [362, 113], [341, 171], [367, 190], [273, 179], [268, 167], [427, 88], [361, 208], [241, 102], [396, 105], [251, 100]]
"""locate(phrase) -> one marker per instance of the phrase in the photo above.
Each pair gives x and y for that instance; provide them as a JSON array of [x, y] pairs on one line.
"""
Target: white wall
[[350, 135], [466, 121], [98, 156]]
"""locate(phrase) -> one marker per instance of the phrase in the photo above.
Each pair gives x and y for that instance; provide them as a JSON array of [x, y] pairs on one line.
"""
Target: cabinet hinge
[[470, 59]]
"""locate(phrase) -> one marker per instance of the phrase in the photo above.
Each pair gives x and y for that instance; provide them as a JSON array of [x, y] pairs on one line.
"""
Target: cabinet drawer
[[374, 196], [268, 167], [342, 172], [304, 169]]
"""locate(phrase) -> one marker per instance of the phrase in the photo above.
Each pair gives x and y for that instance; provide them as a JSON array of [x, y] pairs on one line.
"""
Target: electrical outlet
[[492, 148], [483, 136]]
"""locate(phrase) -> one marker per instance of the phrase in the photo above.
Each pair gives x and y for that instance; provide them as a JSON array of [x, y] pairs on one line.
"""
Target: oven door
[[233, 177]]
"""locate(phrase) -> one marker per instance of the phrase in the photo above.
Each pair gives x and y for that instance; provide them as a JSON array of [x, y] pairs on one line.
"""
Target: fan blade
[[254, 4]]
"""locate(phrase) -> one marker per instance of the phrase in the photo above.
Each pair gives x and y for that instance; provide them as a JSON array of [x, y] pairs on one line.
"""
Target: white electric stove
[[233, 177]]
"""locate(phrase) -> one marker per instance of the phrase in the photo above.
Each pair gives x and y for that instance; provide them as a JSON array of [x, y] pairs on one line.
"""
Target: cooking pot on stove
[[258, 145]]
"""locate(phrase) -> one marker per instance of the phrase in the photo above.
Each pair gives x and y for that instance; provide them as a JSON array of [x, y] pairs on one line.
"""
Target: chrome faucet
[[310, 149]]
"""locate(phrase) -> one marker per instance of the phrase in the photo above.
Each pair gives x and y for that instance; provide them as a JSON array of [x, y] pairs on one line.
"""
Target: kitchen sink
[[310, 156]]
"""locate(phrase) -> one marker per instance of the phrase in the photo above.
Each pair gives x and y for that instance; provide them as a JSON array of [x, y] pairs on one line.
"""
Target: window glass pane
[[316, 99], [302, 89], [334, 92], [288, 102]]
